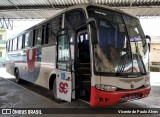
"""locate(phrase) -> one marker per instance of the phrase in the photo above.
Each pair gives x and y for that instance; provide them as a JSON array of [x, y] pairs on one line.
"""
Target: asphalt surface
[[28, 95]]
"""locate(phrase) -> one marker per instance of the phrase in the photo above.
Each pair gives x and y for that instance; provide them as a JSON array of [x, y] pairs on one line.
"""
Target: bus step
[[83, 100], [86, 77], [84, 70], [85, 65]]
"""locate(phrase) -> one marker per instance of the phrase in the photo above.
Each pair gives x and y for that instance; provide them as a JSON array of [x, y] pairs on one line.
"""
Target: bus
[[89, 52]]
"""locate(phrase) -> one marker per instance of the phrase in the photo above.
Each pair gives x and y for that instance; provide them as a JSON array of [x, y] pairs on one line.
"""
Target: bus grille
[[130, 97]]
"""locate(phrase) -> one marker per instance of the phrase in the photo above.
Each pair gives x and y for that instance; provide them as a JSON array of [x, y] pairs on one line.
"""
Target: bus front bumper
[[104, 98]]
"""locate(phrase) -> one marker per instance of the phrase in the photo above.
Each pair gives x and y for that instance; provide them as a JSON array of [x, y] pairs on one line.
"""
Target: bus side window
[[63, 46], [14, 44], [34, 37], [38, 37], [23, 41], [55, 26], [26, 40], [43, 35], [20, 42], [29, 39], [10, 45], [47, 32], [73, 20]]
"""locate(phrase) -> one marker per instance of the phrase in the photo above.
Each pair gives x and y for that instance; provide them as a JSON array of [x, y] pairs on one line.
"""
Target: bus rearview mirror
[[93, 24]]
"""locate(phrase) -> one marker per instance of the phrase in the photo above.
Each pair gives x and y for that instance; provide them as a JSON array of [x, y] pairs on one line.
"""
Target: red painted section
[[104, 98], [31, 59]]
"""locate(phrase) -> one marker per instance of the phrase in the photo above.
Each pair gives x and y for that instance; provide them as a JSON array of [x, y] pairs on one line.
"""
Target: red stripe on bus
[[31, 59]]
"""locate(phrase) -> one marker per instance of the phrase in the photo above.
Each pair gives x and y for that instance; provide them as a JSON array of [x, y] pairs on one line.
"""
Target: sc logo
[[63, 87]]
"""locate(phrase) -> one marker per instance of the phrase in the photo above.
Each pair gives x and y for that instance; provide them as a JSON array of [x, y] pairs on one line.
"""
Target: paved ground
[[32, 96]]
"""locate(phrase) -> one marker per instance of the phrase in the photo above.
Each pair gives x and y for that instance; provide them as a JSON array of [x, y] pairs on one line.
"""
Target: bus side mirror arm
[[94, 32], [90, 20]]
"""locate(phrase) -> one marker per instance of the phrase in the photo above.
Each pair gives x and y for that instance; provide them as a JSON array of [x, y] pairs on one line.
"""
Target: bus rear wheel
[[18, 80], [54, 92]]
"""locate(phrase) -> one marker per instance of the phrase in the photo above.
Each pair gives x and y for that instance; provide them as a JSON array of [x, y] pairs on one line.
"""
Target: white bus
[[88, 52]]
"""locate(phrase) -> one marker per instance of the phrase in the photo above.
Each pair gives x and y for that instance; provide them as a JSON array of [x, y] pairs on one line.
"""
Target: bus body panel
[[14, 59], [47, 66], [43, 67], [37, 64], [122, 83], [36, 71]]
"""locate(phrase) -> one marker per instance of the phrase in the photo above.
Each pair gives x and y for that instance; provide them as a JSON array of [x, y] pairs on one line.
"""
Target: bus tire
[[17, 78], [54, 91]]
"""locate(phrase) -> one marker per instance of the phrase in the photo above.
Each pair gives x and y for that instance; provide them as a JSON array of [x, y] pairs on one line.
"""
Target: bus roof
[[83, 6]]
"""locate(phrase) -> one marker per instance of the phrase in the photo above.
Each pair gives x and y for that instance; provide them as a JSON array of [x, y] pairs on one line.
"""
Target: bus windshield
[[137, 42], [121, 45]]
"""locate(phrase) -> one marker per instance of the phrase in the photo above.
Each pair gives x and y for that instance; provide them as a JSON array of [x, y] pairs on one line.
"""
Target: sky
[[150, 25], [21, 25]]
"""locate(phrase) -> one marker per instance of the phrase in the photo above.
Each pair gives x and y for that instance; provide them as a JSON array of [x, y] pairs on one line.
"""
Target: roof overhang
[[40, 9]]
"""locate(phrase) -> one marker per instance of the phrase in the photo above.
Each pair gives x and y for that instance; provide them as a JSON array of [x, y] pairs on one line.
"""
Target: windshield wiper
[[122, 64], [140, 61]]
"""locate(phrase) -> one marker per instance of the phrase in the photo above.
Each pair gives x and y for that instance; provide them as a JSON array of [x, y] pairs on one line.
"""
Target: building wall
[[155, 50], [3, 38], [155, 53]]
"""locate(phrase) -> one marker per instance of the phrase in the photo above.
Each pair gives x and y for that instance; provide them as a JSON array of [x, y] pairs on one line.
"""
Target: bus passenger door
[[63, 67]]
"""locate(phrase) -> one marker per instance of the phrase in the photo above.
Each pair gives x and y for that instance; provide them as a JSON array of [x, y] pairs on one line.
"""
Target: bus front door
[[63, 67]]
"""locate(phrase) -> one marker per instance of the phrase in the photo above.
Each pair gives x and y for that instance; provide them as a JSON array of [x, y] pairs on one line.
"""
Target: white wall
[[151, 26]]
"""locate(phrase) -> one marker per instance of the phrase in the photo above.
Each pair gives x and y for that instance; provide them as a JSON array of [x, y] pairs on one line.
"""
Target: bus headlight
[[147, 84], [105, 87]]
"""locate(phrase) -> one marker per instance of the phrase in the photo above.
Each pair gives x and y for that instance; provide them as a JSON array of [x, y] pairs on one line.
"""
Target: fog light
[[100, 99], [105, 99]]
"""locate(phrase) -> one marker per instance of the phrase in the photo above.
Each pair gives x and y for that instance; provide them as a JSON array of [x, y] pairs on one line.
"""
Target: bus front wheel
[[54, 92], [18, 80]]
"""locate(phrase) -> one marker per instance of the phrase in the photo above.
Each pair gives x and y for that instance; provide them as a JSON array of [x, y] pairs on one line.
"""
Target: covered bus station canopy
[[43, 9], [37, 9]]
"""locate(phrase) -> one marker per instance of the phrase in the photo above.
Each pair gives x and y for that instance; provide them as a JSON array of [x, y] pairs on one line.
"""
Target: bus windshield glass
[[137, 42], [121, 45]]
